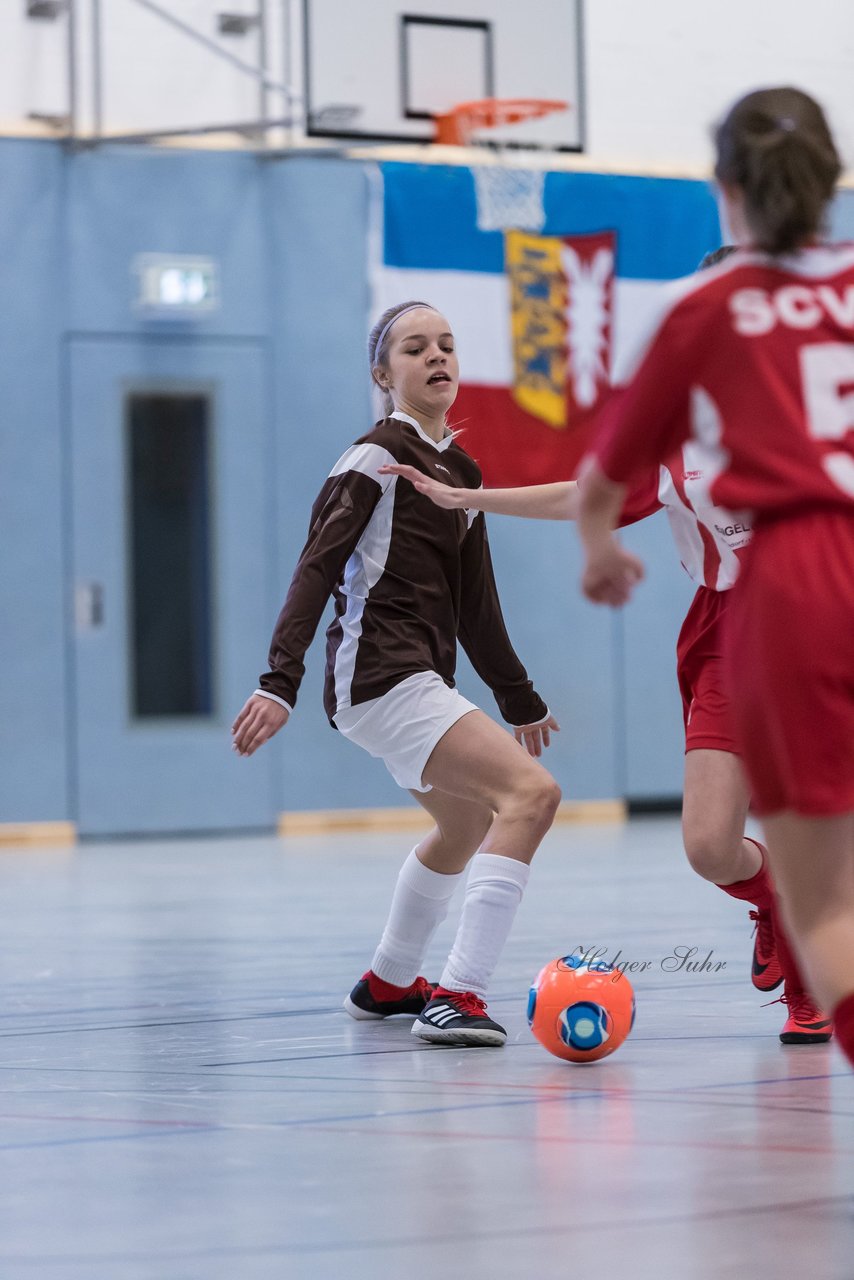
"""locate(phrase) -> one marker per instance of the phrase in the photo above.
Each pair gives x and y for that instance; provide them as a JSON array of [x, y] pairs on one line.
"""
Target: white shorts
[[403, 726]]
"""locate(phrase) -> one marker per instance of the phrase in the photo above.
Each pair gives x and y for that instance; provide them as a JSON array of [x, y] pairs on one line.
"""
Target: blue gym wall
[[34, 774], [289, 237]]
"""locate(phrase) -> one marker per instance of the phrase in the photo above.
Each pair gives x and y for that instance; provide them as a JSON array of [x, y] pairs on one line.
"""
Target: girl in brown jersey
[[406, 588]]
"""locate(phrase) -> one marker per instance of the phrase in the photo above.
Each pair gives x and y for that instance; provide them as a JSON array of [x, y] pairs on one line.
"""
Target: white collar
[[441, 445]]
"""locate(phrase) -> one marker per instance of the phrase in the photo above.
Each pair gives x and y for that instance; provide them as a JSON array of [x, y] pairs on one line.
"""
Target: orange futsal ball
[[581, 1011]]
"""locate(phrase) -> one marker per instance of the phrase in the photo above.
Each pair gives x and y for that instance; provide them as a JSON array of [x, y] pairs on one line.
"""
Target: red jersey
[[753, 360], [708, 538]]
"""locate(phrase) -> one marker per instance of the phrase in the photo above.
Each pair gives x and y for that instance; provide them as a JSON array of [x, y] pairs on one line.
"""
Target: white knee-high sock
[[493, 893], [418, 906]]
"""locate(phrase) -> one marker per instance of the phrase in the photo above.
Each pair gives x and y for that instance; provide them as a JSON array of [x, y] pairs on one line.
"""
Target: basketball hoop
[[509, 195], [456, 127]]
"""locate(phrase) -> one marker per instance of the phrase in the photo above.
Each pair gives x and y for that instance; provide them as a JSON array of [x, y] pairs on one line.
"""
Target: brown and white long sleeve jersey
[[407, 578]]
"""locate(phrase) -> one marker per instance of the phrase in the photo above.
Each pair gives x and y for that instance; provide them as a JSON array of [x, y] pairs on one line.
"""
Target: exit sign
[[176, 286]]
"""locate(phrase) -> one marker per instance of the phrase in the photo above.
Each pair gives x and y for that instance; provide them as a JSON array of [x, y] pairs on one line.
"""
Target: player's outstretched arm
[[256, 723], [558, 501], [610, 572]]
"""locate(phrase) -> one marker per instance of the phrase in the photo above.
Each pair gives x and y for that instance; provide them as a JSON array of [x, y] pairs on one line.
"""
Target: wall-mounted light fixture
[[49, 9], [236, 24], [51, 120]]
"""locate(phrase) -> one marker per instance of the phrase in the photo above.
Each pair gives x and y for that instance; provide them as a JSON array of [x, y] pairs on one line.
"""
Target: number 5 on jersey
[[827, 375]]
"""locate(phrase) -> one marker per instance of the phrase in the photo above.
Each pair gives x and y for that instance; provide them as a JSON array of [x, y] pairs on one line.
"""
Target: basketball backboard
[[381, 69]]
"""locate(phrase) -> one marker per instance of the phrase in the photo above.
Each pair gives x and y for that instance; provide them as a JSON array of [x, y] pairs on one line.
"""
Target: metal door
[[170, 545]]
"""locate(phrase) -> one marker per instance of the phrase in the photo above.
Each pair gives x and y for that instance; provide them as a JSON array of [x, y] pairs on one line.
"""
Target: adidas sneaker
[[457, 1017]]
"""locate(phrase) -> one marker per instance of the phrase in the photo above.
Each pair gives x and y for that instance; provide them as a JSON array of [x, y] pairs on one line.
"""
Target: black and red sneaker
[[806, 1023], [457, 1017], [765, 973], [373, 998]]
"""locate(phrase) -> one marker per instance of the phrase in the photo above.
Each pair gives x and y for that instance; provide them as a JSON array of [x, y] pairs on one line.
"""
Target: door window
[[171, 615]]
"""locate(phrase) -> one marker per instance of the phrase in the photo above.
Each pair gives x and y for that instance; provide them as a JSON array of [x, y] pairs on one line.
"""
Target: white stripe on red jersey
[[708, 538]]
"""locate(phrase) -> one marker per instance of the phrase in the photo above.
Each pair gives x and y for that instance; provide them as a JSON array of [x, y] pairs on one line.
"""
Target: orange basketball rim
[[455, 127]]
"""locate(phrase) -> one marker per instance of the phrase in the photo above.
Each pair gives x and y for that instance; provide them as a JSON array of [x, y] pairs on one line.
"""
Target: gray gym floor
[[185, 1099]]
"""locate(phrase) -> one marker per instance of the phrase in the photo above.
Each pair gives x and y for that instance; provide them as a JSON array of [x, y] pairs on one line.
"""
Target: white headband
[[416, 306]]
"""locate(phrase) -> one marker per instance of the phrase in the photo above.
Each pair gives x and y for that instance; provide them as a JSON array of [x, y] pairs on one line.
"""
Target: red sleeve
[[647, 419], [642, 499]]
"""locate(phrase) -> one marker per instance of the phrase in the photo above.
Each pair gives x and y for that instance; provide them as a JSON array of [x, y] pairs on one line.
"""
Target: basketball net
[[509, 196]]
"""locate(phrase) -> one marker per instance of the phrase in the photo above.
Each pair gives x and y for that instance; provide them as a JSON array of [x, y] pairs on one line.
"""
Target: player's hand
[[535, 737], [611, 574], [441, 494], [256, 723]]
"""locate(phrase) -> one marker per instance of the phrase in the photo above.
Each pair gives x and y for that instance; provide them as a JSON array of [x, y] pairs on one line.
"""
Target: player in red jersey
[[754, 361], [710, 542]]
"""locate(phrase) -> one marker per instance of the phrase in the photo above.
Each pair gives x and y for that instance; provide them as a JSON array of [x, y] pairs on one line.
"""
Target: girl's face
[[421, 372]]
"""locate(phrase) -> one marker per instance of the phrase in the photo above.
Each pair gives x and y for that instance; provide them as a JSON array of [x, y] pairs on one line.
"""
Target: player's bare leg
[[479, 763], [461, 827], [714, 811]]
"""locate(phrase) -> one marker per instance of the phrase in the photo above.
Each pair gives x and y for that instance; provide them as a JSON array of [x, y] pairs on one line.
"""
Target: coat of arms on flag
[[561, 297]]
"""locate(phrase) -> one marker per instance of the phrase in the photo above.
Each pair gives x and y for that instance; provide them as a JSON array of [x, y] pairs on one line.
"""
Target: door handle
[[89, 605]]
